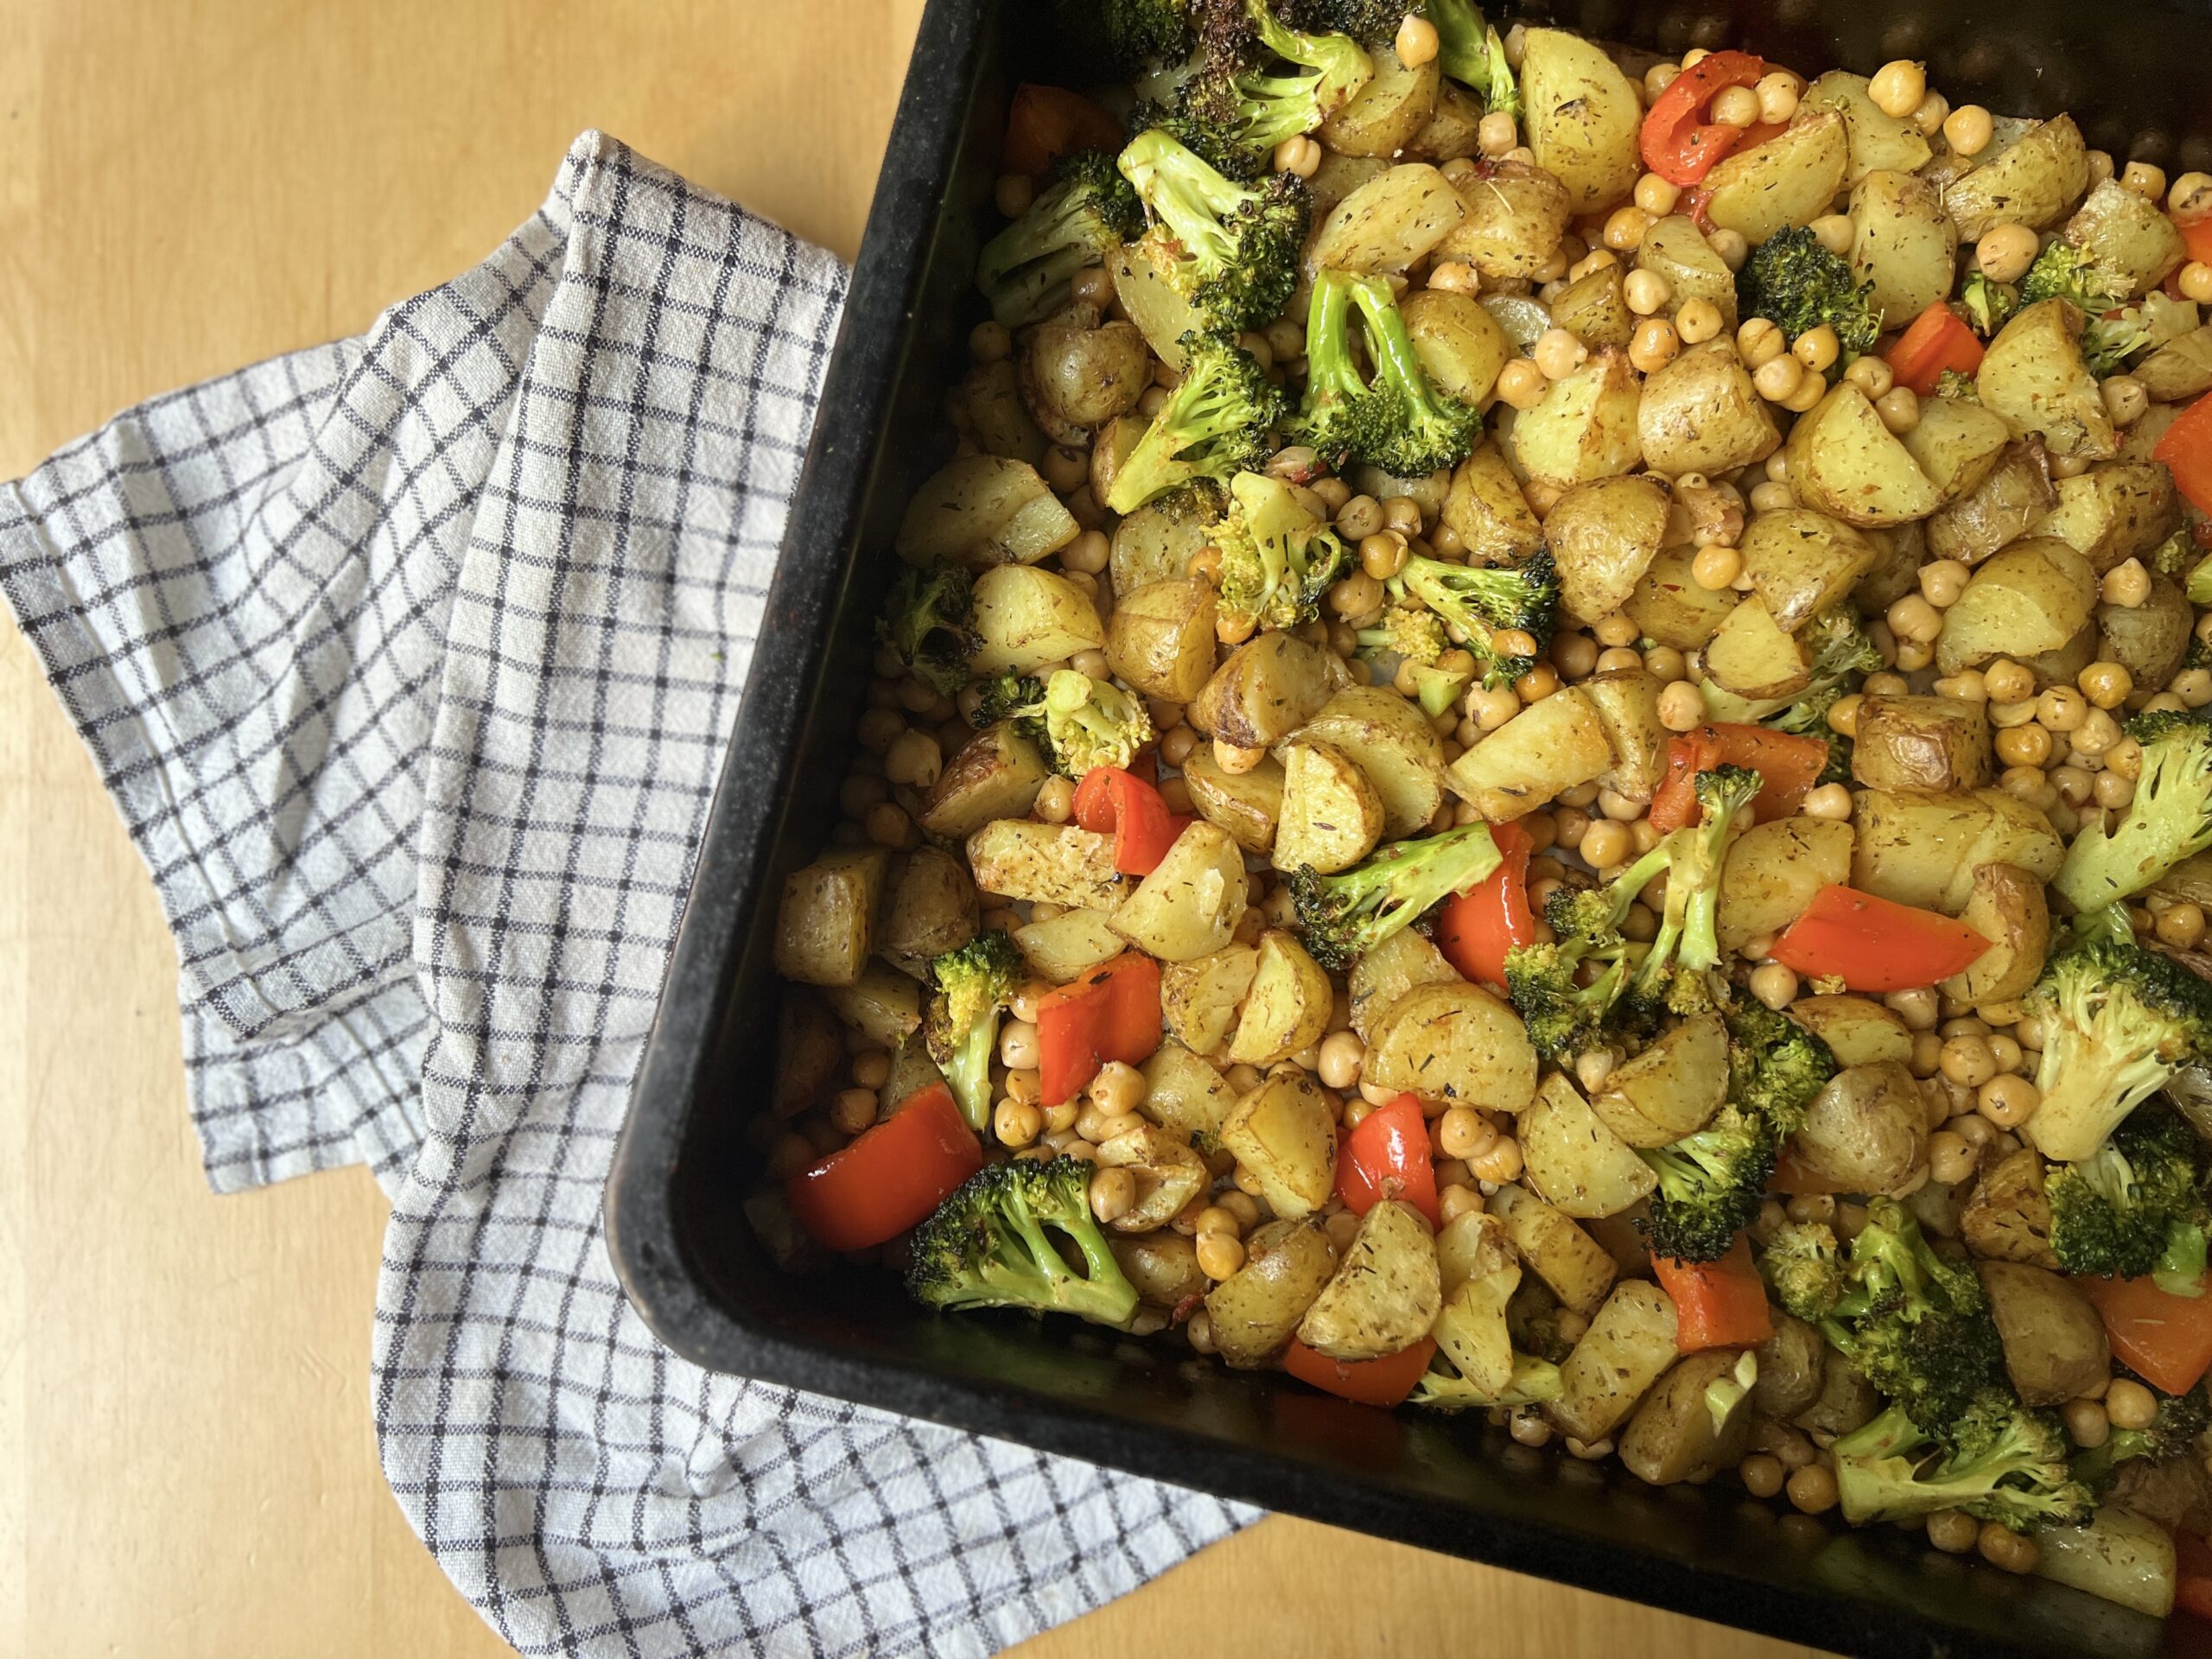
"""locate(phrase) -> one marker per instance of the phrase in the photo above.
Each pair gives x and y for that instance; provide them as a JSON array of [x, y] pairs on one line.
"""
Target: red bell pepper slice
[[1475, 929], [1937, 341], [1111, 801], [1873, 943], [1387, 1156], [1677, 144], [889, 1178], [2165, 1340], [1717, 1304], [2196, 238], [1788, 766], [2186, 449], [1111, 1014], [1385, 1381], [1046, 122]]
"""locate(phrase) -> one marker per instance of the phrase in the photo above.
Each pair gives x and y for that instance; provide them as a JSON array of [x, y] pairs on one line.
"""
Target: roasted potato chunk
[[1580, 117], [1699, 414], [1200, 998], [1284, 1134], [1270, 686], [1160, 638], [1790, 180], [1455, 1044], [1191, 903], [1070, 945], [825, 929], [1923, 849], [2008, 908], [2014, 495], [1801, 563], [1459, 343], [2032, 599], [1844, 461], [1672, 608], [1754, 656], [1026, 618], [1573, 1266], [1773, 871], [1248, 805], [2008, 1218], [1388, 113], [1393, 968], [1047, 863], [1914, 742], [1511, 217], [1384, 1294], [1168, 1175], [1627, 702], [1866, 1131], [932, 906], [809, 1051], [1256, 1311], [1487, 512], [1603, 537], [2031, 181], [1628, 1347], [1585, 427], [1551, 745], [1573, 1160], [2150, 641], [1670, 1089], [1675, 1433], [2111, 513], [1855, 1029], [2034, 377], [1388, 223], [1286, 1008], [2055, 1346], [1184, 1093], [1331, 816], [1393, 744]]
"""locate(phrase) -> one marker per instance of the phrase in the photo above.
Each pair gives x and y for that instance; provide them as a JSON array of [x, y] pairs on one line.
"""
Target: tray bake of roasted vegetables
[[1546, 751]]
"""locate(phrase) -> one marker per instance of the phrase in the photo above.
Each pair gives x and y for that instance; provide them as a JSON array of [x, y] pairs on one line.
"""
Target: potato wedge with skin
[[1395, 748], [1184, 1093], [1550, 746], [1077, 375], [1788, 180], [1025, 617], [1283, 1132], [2015, 495], [1047, 863], [1166, 1172], [1671, 608], [1671, 1089], [1002, 429], [1191, 903], [1386, 114], [1772, 872], [2032, 182], [2150, 641], [1801, 563], [1857, 1029], [1157, 542], [1673, 1435], [1248, 805], [1162, 1265], [1627, 702], [2120, 510], [1337, 177], [1629, 1346], [1920, 849], [1572, 1161], [1388, 223], [1487, 512], [1677, 250], [1452, 132], [1254, 1311], [932, 906], [1331, 816], [1880, 140], [996, 775], [1603, 537], [1455, 1044], [982, 511], [1070, 945], [1581, 117], [2033, 597], [1929, 743], [809, 1051], [1161, 638], [1573, 1266], [1270, 686], [2009, 907], [2119, 1556], [883, 1005], [1902, 242], [826, 923], [1585, 427], [1700, 414], [2033, 375], [1898, 553], [1866, 1131], [1957, 444], [1199, 998], [1594, 309], [2178, 372], [1288, 1008], [1791, 1363], [1385, 1292], [2129, 238], [2008, 1218], [1400, 963], [1750, 655], [1162, 315], [1511, 215], [1459, 343], [2055, 1346], [1844, 461]]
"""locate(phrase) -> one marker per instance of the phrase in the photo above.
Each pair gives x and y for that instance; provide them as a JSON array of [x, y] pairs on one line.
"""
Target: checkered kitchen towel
[[411, 662]]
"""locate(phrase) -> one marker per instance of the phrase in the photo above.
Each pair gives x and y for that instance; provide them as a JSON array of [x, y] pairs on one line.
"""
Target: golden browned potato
[[1338, 177], [1670, 1089], [1163, 1266], [1384, 1294], [1675, 1433], [1916, 742], [1388, 113], [984, 510], [1487, 512], [1451, 132], [1602, 535], [2176, 373], [1331, 816], [1628, 1347], [2034, 377], [1788, 180], [1160, 638], [1159, 540], [1866, 1131], [2032, 182], [1075, 378], [1672, 608], [1288, 1008], [1395, 747], [2131, 241], [1627, 701], [1801, 563], [883, 1005], [1855, 1028], [1024, 618], [1283, 1134], [1184, 1093], [1047, 863], [1699, 414], [1581, 117], [1248, 805], [2111, 513], [1388, 223], [1153, 302], [1271, 685], [1584, 428], [1069, 945], [1393, 968], [1512, 216], [825, 929], [932, 908], [1199, 998], [2055, 1346], [1773, 870], [2120, 1554], [998, 422], [1923, 850], [1790, 1364], [1957, 444], [1456, 1044], [996, 775], [1570, 1159], [1902, 242], [1847, 1401], [1459, 343], [2008, 1218], [1594, 309], [2150, 641], [1677, 250], [1752, 656], [1844, 461], [2034, 597], [1898, 553], [2007, 908], [1551, 745], [1168, 1175], [1256, 1311], [809, 1051], [1191, 903], [1573, 1266], [2013, 495], [1880, 140]]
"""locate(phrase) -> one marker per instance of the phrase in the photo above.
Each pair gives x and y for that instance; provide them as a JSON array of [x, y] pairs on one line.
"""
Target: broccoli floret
[[1482, 601], [1842, 655], [1563, 1018], [2199, 585], [1241, 104], [1535, 1381], [2118, 1020], [1123, 38], [2006, 1464], [2062, 271], [2174, 1432], [1804, 1267], [1342, 917], [1079, 722], [1710, 1185], [1437, 688], [1339, 413], [1017, 697], [1688, 944], [974, 984], [1957, 385], [1373, 23], [926, 623], [1396, 421], [1089, 212], [1414, 634], [993, 1244], [1215, 423], [2134, 1206], [1988, 306], [1775, 1065], [1794, 282], [2168, 819], [1916, 1324], [1277, 559], [1473, 54], [1232, 249]]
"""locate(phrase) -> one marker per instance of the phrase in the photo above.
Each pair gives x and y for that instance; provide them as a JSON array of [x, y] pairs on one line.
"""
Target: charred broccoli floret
[[1795, 282], [2062, 271], [1803, 1266], [2168, 819], [1473, 54], [1342, 917], [974, 984], [2004, 1463], [1124, 37], [1232, 249], [1260, 82], [1396, 420], [1079, 722], [2182, 1419], [1672, 971], [1483, 601], [1775, 1065], [995, 1243], [1277, 559], [925, 623], [2136, 1205], [2118, 1020], [1988, 306], [1214, 424], [1088, 212], [1915, 1323]]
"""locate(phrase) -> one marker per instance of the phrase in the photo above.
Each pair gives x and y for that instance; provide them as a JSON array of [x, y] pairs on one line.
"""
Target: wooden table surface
[[186, 1465]]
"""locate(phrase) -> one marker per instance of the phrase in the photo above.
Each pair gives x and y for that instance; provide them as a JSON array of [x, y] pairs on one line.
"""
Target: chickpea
[[1715, 568], [1625, 228], [2181, 925], [1778, 379], [2129, 1405], [1341, 1051], [2006, 1100], [1219, 1254], [1953, 1531], [1969, 129], [1383, 555], [1898, 87], [1698, 321], [888, 825], [1917, 1007], [1758, 342], [1466, 1134], [1654, 345], [1521, 384], [1774, 985], [1657, 196], [2006, 251], [1934, 110], [1118, 1088], [1417, 43], [1914, 617], [2191, 196], [1830, 801], [1497, 134], [1942, 581], [1762, 1474], [2143, 179], [1812, 1489], [1968, 1061], [1871, 376], [1013, 194], [1604, 844], [2087, 1426], [1951, 1157], [2008, 682], [1770, 497], [2105, 684], [2024, 746], [2006, 1550], [1899, 407], [2126, 399], [1501, 1163], [1016, 1122], [1558, 353]]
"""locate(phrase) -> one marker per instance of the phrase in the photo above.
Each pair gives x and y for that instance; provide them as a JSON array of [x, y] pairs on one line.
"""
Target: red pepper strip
[[1788, 765], [1046, 122], [1873, 943], [1674, 804], [1937, 341], [1111, 800], [889, 1178], [2196, 237], [1676, 145], [1385, 1381], [1477, 928], [2165, 1340], [1111, 1014], [2192, 1573], [1717, 1304], [2186, 449], [1388, 1156]]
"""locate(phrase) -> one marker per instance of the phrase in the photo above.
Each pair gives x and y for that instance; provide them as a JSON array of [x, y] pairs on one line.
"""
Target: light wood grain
[[185, 1460]]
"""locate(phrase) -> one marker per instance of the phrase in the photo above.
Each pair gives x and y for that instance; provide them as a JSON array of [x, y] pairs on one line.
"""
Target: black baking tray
[[691, 1264]]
